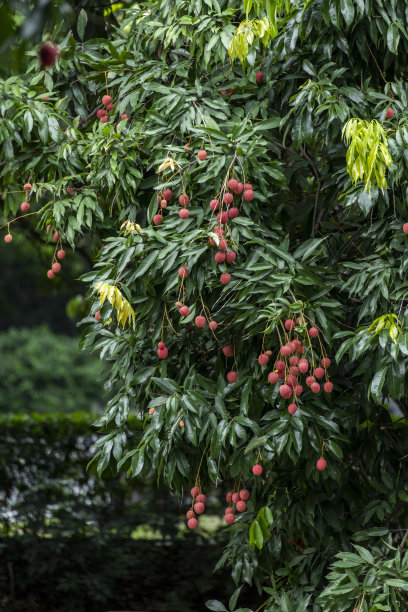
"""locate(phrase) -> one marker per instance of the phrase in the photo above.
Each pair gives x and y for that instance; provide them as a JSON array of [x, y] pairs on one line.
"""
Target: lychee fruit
[[214, 204], [230, 256], [190, 514], [241, 506], [8, 238], [321, 464], [319, 372], [228, 497], [181, 424], [101, 112], [98, 315], [233, 212], [27, 187], [315, 387], [167, 194], [182, 272], [213, 325], [202, 155], [194, 492], [292, 408], [192, 523], [298, 390], [106, 100], [229, 518], [104, 119], [184, 311], [310, 380], [201, 498], [184, 213], [230, 510], [109, 107], [199, 508], [244, 494], [285, 391], [225, 278], [257, 469], [25, 206], [389, 114], [303, 366], [328, 387], [161, 345], [222, 217], [273, 377], [199, 321], [239, 189], [56, 267], [232, 377], [50, 274], [326, 363], [405, 228], [294, 361], [163, 203], [235, 498], [227, 198], [184, 199], [258, 77], [162, 353], [313, 332], [219, 257], [223, 245], [228, 350], [248, 195], [124, 116], [286, 350], [157, 219], [263, 359], [233, 184]]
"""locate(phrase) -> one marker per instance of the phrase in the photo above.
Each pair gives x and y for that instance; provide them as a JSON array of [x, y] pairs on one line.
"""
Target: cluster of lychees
[[197, 507], [238, 500], [102, 113]]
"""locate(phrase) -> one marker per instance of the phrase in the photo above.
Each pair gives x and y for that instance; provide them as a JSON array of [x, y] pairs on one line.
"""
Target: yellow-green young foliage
[[387, 321], [124, 310], [367, 155], [246, 33]]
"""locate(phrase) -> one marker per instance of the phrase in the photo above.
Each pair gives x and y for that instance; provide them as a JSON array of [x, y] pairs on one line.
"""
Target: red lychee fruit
[[315, 387], [289, 324], [285, 391], [285, 350], [273, 377], [248, 195], [187, 150], [257, 469], [294, 361], [192, 523], [244, 494], [194, 492], [292, 408], [233, 212], [239, 189], [219, 257], [199, 321], [230, 510], [109, 107], [48, 54], [184, 311], [70, 191], [223, 217], [104, 119], [313, 332], [298, 390], [228, 350], [223, 92], [227, 198], [294, 370], [326, 363], [319, 372], [161, 345], [106, 100], [229, 518], [232, 377], [328, 387], [27, 187], [389, 114], [8, 238], [258, 77], [310, 380], [230, 256], [405, 228], [202, 155], [163, 203], [300, 349], [182, 272], [228, 497], [220, 231], [201, 498], [321, 464], [233, 184], [50, 274], [291, 380], [263, 359], [199, 508], [223, 245], [300, 321], [162, 353], [98, 315], [241, 506], [167, 194], [184, 199], [280, 365], [303, 366], [56, 267], [248, 186], [184, 213], [101, 112], [25, 206], [214, 204], [157, 219], [151, 411], [235, 498], [190, 514], [213, 325], [123, 116], [225, 278]]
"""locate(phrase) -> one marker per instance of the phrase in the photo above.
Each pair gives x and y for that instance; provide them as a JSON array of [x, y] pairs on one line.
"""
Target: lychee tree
[[240, 171]]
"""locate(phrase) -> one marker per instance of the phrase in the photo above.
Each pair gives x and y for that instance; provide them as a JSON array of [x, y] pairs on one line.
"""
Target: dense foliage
[[321, 240]]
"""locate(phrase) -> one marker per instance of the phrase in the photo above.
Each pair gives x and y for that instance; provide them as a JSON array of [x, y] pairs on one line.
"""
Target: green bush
[[44, 372]]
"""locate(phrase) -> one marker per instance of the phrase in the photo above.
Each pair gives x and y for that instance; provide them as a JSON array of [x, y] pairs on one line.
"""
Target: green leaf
[[256, 538], [347, 10], [215, 605], [81, 23]]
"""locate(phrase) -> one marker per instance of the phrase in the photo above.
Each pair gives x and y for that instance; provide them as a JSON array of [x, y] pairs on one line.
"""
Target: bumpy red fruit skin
[[389, 113], [228, 497], [313, 332], [328, 387], [258, 77], [248, 186], [257, 469], [157, 219], [289, 324], [319, 372], [184, 311], [326, 363], [303, 365], [273, 377], [228, 350], [229, 518], [213, 325], [162, 353], [101, 112], [292, 408], [109, 108], [280, 365], [182, 272], [27, 187], [50, 274], [230, 510], [310, 380], [285, 350], [223, 245], [202, 155], [263, 359], [239, 189], [321, 464], [233, 184], [233, 212], [184, 199], [298, 390], [199, 321], [220, 231], [300, 349], [315, 387], [184, 213], [192, 523], [104, 119], [223, 217], [405, 228], [219, 257], [285, 391], [163, 203], [227, 198], [232, 377], [194, 492], [291, 380], [167, 194], [214, 204], [294, 361], [98, 315], [244, 494], [48, 54], [201, 498], [235, 498], [199, 508], [161, 345], [124, 116], [25, 206], [190, 514], [241, 506], [106, 100], [230, 256], [56, 267], [248, 195], [225, 278]]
